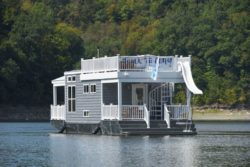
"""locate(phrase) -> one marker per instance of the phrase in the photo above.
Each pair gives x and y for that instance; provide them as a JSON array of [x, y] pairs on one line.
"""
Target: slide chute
[[188, 78]]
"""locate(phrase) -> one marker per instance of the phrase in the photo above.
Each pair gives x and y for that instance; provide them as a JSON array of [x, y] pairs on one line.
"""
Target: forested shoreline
[[40, 39]]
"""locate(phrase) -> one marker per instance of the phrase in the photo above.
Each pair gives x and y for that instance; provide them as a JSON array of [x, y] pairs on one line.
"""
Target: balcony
[[141, 63]]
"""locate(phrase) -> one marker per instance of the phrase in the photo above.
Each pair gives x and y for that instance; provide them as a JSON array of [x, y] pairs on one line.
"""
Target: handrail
[[146, 116], [167, 115]]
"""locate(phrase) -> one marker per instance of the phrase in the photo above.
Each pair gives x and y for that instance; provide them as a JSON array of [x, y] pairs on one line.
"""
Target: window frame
[[85, 112], [71, 100], [90, 86], [87, 85], [70, 78]]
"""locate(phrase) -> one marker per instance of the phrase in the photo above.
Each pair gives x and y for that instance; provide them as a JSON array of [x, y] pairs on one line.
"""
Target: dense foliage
[[41, 39]]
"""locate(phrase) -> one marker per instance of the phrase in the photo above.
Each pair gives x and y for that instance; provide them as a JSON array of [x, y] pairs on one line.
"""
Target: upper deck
[[132, 67]]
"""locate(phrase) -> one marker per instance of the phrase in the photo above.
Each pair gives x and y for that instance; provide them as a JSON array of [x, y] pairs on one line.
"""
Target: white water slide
[[188, 78]]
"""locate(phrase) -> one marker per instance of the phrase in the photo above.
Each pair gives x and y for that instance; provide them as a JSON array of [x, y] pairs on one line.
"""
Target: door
[[138, 94]]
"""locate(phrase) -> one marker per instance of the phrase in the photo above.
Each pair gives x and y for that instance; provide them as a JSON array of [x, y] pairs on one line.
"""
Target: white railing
[[179, 111], [132, 112], [110, 112], [129, 112], [57, 112], [139, 63], [102, 64], [167, 115], [146, 116]]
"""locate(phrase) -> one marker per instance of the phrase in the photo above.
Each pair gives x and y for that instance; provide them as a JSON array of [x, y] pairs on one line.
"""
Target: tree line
[[40, 39]]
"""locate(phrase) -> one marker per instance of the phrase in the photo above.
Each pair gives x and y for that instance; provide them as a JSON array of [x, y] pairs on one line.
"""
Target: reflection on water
[[76, 150], [37, 144]]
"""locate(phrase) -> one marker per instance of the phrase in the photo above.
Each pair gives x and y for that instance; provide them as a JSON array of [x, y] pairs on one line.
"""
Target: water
[[38, 144]]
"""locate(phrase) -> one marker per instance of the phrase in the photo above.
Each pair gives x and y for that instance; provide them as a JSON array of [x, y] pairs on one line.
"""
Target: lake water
[[38, 144]]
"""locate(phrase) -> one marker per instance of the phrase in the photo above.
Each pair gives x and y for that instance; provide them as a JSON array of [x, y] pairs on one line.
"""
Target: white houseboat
[[125, 95]]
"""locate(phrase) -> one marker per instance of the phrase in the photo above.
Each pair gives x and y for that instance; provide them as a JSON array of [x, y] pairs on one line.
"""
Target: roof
[[59, 81]]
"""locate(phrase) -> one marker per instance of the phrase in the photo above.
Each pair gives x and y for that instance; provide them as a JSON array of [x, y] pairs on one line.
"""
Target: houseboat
[[125, 95]]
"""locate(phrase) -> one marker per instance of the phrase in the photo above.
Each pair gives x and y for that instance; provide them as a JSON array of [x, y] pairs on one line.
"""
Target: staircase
[[156, 128], [159, 96]]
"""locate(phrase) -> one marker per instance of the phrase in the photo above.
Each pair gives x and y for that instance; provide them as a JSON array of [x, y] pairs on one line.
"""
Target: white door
[[138, 94]]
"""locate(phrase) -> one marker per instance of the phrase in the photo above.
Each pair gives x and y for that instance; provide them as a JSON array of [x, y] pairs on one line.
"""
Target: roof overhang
[[175, 77], [59, 81]]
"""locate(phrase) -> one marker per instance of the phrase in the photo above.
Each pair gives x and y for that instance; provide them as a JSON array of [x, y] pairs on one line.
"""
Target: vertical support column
[[54, 95], [102, 101], [119, 91], [171, 91], [188, 95]]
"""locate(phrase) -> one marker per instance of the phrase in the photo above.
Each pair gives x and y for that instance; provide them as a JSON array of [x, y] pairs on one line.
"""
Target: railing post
[[118, 59], [188, 94]]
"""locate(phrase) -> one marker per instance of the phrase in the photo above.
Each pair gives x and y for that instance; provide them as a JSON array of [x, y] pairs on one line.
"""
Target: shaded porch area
[[121, 103], [142, 101], [57, 109]]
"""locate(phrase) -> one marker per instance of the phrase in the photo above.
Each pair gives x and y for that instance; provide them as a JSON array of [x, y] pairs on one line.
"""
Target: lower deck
[[121, 101], [115, 127]]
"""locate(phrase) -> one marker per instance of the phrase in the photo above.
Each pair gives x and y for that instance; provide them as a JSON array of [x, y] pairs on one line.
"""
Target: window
[[93, 88], [71, 99], [89, 88], [85, 89], [71, 78], [85, 113]]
